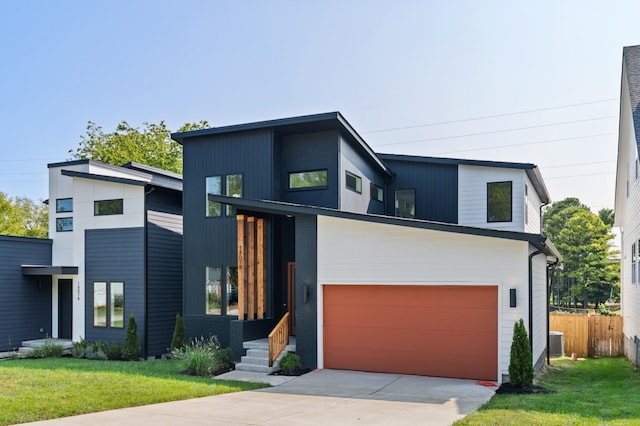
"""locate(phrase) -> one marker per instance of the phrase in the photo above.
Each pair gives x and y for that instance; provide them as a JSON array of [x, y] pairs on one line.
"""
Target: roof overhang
[[48, 270], [291, 209]]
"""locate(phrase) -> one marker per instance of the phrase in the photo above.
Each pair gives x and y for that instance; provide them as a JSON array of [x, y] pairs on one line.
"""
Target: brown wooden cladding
[[252, 287]]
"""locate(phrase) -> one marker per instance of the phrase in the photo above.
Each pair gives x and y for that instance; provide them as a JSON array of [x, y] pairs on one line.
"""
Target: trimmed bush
[[521, 363], [224, 358], [131, 347], [179, 340], [113, 350], [289, 363]]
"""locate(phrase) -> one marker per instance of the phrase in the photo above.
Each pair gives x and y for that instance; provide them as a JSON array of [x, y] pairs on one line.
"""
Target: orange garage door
[[445, 331]]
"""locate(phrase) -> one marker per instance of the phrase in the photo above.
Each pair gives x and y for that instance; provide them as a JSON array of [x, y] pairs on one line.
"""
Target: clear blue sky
[[383, 64]]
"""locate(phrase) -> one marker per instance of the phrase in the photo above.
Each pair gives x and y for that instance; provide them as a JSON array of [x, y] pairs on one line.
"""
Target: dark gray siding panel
[[212, 241], [306, 285], [164, 278], [305, 152], [115, 255], [25, 302], [436, 189]]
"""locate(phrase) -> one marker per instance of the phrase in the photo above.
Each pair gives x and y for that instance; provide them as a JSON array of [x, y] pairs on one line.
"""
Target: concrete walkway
[[317, 398]]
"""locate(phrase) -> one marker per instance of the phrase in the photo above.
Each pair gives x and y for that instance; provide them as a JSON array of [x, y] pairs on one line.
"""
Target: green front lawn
[[591, 392], [39, 389]]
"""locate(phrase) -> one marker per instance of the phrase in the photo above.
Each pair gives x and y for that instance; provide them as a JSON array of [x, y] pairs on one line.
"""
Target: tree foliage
[[20, 216], [520, 362], [584, 241], [607, 216], [151, 145], [179, 339]]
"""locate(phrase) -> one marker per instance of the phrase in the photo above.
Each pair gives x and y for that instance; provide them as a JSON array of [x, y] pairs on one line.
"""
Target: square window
[[64, 205], [499, 200], [108, 207], [353, 182], [405, 203], [214, 187], [308, 180], [64, 224], [377, 193]]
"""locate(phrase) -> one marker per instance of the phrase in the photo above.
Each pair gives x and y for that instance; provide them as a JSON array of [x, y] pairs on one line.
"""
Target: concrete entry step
[[257, 357]]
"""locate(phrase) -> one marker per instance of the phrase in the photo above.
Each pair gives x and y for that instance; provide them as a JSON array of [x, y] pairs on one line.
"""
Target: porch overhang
[[48, 270]]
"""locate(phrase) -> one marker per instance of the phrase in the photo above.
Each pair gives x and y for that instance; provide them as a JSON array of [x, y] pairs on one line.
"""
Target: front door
[[65, 308], [291, 296]]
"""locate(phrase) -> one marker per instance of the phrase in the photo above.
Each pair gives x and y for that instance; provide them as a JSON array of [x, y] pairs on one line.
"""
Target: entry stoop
[[257, 357]]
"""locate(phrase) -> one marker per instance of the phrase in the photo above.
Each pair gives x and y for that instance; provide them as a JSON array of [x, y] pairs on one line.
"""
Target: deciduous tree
[[20, 216], [151, 145]]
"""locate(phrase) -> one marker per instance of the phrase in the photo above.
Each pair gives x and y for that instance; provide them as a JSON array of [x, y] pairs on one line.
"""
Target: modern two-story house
[[627, 199], [115, 249], [382, 262]]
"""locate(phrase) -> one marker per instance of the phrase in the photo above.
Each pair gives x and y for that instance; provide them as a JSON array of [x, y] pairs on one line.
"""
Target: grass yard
[[40, 389], [591, 392]]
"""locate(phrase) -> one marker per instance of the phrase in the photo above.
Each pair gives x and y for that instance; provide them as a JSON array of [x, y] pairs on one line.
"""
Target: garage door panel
[[447, 331]]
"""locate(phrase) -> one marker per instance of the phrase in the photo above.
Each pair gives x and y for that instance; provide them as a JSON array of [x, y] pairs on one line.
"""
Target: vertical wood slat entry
[[252, 287]]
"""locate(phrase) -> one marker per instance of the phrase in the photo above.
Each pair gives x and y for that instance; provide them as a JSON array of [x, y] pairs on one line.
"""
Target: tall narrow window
[[99, 304], [231, 304], [116, 302], [233, 187], [310, 179], [353, 182], [405, 203], [64, 205], [214, 187], [499, 200], [213, 290], [107, 207]]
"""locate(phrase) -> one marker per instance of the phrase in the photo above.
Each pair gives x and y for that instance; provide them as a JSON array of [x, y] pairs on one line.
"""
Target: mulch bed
[[298, 372], [509, 389]]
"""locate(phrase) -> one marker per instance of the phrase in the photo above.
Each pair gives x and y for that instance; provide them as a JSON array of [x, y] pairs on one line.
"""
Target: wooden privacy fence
[[589, 335]]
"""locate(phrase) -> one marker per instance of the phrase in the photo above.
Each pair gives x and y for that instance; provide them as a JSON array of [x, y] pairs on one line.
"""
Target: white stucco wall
[[358, 252]]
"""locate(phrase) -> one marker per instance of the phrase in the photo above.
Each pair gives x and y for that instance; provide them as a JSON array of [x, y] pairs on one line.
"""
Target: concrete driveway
[[321, 397]]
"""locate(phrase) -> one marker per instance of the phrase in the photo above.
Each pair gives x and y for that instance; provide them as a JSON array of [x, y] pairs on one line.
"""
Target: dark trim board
[[44, 270]]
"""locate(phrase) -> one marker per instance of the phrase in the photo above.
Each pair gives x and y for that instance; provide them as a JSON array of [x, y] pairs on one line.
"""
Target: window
[[213, 289], [116, 302], [107, 207], [376, 192], [221, 299], [310, 179], [499, 198], [233, 187], [353, 182], [109, 312], [100, 304], [214, 187], [406, 203], [64, 224], [64, 205]]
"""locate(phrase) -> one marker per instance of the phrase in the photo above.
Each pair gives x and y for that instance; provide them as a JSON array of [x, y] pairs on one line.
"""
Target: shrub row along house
[[382, 262]]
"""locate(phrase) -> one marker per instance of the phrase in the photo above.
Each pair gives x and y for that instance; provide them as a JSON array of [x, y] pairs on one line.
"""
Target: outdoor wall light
[[512, 298]]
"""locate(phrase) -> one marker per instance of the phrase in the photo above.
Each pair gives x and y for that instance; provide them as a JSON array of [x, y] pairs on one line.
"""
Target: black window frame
[[228, 296], [491, 216], [108, 304], [373, 188], [96, 203], [352, 177], [60, 220], [395, 201], [60, 210], [310, 187]]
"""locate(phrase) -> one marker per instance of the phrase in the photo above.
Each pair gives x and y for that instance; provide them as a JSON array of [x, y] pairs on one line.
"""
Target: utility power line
[[484, 117]]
